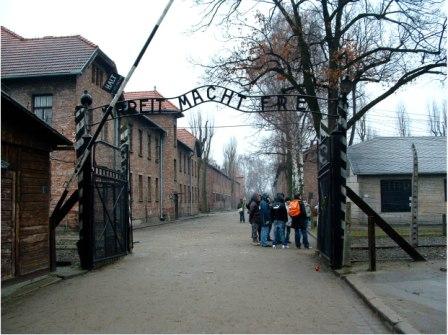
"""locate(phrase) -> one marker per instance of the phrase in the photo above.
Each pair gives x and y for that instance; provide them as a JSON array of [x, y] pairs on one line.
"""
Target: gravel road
[[197, 276]]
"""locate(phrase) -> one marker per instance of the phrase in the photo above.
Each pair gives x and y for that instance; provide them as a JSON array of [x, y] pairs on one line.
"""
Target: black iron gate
[[106, 230], [111, 225], [331, 215]]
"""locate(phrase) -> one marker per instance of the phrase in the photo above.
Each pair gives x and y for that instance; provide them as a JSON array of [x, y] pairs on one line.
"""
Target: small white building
[[380, 171]]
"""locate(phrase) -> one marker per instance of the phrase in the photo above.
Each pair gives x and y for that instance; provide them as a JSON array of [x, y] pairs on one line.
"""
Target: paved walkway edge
[[396, 322], [28, 286]]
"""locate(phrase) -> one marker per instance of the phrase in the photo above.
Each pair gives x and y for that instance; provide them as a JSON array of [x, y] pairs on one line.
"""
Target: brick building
[[187, 176], [48, 76], [146, 169], [165, 185], [219, 188]]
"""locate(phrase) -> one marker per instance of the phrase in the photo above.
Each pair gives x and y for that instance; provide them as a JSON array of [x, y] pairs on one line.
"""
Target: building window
[[43, 107], [140, 188], [175, 170], [157, 150], [149, 147], [395, 195], [140, 142], [97, 76], [180, 161], [149, 199], [157, 190]]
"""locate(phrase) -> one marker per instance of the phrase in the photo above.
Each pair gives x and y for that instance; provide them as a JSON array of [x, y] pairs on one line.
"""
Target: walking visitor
[[241, 210]]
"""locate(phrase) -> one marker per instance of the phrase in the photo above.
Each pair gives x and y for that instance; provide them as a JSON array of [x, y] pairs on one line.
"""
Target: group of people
[[271, 221]]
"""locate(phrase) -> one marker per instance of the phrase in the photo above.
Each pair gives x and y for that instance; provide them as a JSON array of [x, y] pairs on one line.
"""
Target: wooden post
[[372, 250], [414, 199]]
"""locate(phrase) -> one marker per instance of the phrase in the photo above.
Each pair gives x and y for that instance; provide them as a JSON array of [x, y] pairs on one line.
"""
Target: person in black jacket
[[299, 225], [255, 217], [265, 212], [279, 216]]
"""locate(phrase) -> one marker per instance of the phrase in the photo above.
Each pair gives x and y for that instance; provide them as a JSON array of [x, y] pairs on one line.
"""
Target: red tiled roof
[[33, 57], [166, 105], [187, 138]]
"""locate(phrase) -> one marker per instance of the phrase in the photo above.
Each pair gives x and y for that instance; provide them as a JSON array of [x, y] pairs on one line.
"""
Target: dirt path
[[198, 276]]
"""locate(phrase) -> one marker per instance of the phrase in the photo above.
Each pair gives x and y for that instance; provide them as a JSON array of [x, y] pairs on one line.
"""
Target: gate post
[[339, 175], [85, 190], [125, 169]]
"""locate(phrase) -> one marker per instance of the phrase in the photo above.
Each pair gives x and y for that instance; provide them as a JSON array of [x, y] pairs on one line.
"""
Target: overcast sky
[[121, 28]]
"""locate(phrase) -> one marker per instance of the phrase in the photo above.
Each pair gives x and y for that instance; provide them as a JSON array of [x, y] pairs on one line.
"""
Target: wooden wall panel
[[7, 225]]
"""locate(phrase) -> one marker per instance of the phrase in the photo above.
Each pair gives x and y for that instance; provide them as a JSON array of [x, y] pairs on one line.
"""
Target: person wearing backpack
[[265, 213], [297, 212], [255, 217], [279, 217]]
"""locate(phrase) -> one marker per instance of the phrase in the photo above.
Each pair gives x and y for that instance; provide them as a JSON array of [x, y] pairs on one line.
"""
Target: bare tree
[[230, 164], [311, 44], [437, 119], [203, 130], [370, 133], [258, 174], [364, 131], [358, 101], [403, 122]]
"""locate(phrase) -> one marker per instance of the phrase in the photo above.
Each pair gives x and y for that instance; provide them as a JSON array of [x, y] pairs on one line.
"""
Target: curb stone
[[396, 322]]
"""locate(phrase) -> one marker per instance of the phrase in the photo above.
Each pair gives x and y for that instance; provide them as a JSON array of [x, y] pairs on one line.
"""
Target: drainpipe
[[161, 177]]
